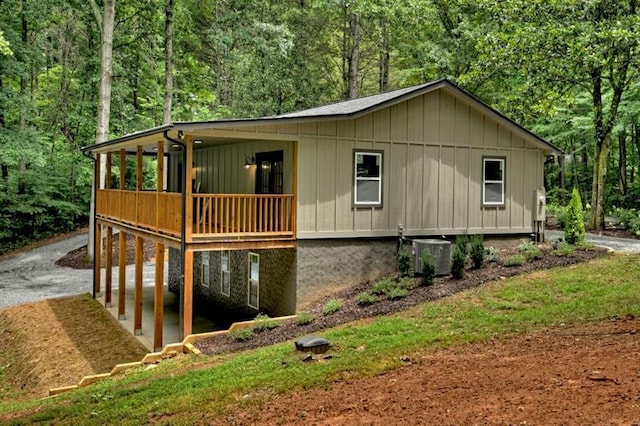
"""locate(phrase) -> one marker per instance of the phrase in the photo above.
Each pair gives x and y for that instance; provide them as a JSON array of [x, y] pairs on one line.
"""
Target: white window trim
[[356, 179], [226, 272], [501, 182], [205, 271], [250, 281]]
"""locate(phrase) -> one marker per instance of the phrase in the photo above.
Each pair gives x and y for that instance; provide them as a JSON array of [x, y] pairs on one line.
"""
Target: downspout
[[183, 223], [95, 222]]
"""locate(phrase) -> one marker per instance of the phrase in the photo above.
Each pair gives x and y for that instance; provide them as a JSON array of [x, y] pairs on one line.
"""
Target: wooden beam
[[123, 167], [97, 252], [122, 274], [187, 298], [294, 189], [139, 168], [107, 182], [137, 295], [159, 179], [144, 233], [158, 299], [108, 267], [188, 214]]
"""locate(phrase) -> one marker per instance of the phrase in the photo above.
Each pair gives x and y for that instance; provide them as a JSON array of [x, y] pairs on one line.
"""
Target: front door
[[269, 176]]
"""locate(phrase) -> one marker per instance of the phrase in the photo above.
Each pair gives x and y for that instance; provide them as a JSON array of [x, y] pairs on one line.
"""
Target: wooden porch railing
[[214, 215], [243, 214]]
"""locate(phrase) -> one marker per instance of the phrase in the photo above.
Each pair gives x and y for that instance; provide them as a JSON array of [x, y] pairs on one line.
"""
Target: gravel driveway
[[33, 275], [622, 245]]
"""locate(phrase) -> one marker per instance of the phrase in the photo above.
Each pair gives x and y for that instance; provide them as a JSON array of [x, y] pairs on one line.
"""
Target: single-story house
[[267, 214]]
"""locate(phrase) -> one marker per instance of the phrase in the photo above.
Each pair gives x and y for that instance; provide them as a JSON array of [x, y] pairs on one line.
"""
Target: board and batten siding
[[433, 147]]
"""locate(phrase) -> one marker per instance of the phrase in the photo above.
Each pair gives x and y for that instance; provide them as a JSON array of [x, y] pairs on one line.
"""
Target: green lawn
[[181, 390]]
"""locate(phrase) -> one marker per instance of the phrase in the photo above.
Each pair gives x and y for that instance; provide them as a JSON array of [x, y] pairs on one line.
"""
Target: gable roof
[[348, 109]]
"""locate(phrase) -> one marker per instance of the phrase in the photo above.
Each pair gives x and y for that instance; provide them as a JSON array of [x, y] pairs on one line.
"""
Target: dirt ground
[[77, 259], [57, 342], [583, 375]]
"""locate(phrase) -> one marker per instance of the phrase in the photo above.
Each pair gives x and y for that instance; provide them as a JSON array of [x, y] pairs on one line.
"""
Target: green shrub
[[398, 293], [366, 298], [462, 241], [242, 334], [428, 267], [305, 318], [405, 262], [332, 306], [565, 249], [457, 263], [383, 286], [476, 251], [491, 254], [574, 227], [264, 322], [557, 211], [515, 260], [628, 218], [407, 283], [530, 250]]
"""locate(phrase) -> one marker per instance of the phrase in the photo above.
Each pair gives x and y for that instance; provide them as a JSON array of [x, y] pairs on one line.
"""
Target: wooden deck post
[[108, 268], [187, 298], [97, 252], [137, 296], [189, 189], [158, 299], [122, 273]]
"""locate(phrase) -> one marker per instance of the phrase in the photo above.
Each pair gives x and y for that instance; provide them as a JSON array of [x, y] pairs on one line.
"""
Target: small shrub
[[476, 251], [491, 254], [557, 211], [515, 260], [565, 249], [383, 286], [366, 298], [406, 283], [264, 322], [574, 232], [405, 262], [457, 263], [530, 250], [332, 306], [428, 267], [398, 293], [305, 318], [462, 241], [242, 334]]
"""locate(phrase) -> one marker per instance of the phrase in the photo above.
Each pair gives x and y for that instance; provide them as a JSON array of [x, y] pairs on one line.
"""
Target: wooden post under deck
[[137, 296], [188, 214], [97, 240], [108, 268], [122, 247], [158, 299], [187, 299], [158, 294]]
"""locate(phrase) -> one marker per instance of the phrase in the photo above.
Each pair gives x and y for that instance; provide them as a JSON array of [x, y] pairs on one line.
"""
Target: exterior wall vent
[[439, 249]]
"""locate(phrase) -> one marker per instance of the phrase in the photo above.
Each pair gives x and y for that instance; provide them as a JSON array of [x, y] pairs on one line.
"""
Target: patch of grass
[[332, 306], [305, 318], [587, 292], [242, 334], [565, 249], [366, 298], [515, 260]]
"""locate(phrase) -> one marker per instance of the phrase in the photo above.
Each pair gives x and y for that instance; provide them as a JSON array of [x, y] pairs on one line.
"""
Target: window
[[493, 181], [204, 256], [225, 272], [367, 181], [254, 280]]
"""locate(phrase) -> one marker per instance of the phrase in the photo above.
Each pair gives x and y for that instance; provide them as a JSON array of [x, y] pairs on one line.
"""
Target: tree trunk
[[22, 162], [384, 56], [168, 66], [622, 162], [354, 57], [104, 102]]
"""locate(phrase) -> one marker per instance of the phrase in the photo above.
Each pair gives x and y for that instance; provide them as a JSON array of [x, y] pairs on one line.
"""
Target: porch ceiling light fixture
[[249, 161], [197, 141]]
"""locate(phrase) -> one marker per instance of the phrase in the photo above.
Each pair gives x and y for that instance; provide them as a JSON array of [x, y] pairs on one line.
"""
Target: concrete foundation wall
[[326, 266]]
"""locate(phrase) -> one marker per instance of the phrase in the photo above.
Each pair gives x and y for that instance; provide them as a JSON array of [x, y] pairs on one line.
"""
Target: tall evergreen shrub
[[574, 232]]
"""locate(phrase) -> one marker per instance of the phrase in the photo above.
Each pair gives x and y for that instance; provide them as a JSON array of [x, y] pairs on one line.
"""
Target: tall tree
[[168, 70]]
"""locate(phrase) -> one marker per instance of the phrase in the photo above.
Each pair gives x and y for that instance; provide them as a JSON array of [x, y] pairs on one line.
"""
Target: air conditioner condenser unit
[[439, 249]]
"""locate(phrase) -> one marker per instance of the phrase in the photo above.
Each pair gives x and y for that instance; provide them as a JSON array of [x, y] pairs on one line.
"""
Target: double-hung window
[[205, 268], [367, 179], [493, 181], [254, 281], [225, 273]]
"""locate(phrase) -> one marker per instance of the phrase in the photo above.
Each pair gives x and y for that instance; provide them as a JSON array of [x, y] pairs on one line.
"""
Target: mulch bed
[[351, 311], [77, 259]]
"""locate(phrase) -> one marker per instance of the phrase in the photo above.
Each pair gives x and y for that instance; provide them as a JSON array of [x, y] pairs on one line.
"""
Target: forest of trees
[[568, 70]]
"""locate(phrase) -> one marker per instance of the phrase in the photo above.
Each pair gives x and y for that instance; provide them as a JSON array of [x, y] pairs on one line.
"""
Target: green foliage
[[404, 259], [458, 260], [242, 334], [392, 288], [515, 260], [628, 218], [382, 287], [462, 242], [574, 232], [305, 318], [366, 298], [476, 251], [428, 267], [491, 254], [398, 292], [565, 249], [263, 322], [332, 306], [530, 250], [557, 211]]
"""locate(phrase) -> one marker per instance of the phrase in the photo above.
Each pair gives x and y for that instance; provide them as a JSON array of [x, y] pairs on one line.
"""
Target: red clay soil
[[587, 375]]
